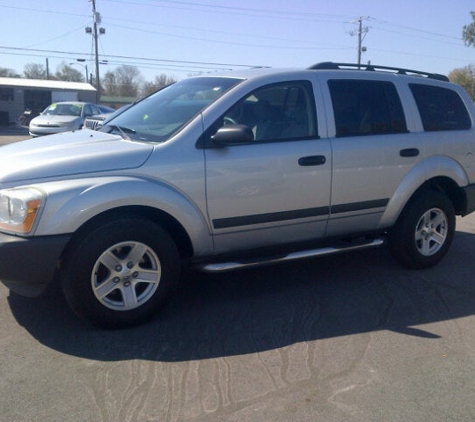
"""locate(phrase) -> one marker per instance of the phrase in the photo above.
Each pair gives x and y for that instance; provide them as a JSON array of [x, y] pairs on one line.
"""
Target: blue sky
[[182, 37]]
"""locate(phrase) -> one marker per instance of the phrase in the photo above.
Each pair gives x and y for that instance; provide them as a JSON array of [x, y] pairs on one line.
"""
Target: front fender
[[68, 209], [427, 169]]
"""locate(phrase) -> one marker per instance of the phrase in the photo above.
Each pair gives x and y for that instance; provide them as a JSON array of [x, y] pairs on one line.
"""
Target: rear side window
[[366, 107], [440, 108]]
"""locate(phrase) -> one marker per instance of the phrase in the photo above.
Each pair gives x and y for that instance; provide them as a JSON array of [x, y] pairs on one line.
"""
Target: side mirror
[[233, 135]]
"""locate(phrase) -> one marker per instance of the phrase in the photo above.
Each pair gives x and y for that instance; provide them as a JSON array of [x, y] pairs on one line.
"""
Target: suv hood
[[68, 153]]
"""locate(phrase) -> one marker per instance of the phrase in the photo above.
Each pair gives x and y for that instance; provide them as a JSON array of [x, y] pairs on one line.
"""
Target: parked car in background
[[105, 109], [62, 117], [95, 122]]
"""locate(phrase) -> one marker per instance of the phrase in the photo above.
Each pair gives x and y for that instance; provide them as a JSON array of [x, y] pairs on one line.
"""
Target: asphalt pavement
[[347, 338], [10, 134]]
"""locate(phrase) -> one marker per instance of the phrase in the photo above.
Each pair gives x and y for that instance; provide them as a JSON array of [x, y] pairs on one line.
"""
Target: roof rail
[[372, 67]]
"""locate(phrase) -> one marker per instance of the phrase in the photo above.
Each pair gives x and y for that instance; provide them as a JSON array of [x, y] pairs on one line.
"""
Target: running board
[[311, 253]]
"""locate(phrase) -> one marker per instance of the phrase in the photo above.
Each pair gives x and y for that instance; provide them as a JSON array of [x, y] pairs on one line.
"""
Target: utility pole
[[98, 80], [361, 32], [95, 35]]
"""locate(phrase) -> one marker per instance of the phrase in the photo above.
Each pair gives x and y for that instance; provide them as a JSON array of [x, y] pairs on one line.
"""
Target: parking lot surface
[[348, 338], [10, 134]]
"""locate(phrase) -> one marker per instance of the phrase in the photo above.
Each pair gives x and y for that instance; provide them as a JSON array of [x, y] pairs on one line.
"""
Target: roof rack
[[372, 67]]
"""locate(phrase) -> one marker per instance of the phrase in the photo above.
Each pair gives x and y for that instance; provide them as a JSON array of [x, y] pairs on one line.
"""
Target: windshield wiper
[[123, 131]]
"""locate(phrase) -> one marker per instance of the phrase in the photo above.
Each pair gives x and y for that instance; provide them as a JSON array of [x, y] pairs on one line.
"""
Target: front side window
[[163, 114], [364, 107], [94, 110], [440, 108], [87, 110], [276, 112]]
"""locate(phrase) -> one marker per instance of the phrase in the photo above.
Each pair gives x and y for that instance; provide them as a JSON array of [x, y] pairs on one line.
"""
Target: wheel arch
[[119, 275], [89, 202], [449, 188], [438, 173], [442, 184], [166, 221]]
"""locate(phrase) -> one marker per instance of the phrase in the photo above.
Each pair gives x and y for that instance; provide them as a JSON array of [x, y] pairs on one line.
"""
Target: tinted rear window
[[440, 108], [366, 107]]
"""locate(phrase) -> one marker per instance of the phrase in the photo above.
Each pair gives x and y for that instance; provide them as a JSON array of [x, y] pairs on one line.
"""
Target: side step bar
[[260, 261]]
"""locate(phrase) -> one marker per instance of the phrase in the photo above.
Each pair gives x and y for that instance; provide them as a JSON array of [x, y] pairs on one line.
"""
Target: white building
[[18, 95]]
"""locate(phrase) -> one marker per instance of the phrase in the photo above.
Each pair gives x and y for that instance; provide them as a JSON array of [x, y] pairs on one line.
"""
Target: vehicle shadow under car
[[256, 310]]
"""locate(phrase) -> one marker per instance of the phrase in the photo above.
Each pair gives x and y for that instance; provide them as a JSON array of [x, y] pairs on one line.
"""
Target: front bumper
[[42, 131], [28, 265]]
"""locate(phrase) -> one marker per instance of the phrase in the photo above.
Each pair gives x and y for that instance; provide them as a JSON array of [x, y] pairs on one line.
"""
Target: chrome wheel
[[126, 276], [431, 232]]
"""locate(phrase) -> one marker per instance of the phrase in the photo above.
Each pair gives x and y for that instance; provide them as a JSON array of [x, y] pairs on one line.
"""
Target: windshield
[[63, 110], [163, 114]]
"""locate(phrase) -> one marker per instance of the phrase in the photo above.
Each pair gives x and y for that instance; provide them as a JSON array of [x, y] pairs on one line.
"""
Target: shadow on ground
[[263, 309]]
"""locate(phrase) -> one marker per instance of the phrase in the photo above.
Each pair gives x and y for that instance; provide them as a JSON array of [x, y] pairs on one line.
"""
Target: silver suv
[[230, 171]]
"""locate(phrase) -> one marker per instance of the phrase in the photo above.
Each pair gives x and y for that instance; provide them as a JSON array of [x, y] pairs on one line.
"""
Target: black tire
[[118, 274], [424, 231]]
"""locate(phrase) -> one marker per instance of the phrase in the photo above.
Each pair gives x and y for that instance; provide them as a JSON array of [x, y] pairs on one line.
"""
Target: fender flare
[[427, 169], [67, 210]]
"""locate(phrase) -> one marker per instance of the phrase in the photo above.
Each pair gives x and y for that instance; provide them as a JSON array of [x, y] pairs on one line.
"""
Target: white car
[[62, 117]]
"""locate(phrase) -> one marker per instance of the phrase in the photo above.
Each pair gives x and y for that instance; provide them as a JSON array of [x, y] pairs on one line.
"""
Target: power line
[[410, 28], [246, 11], [174, 28], [227, 42], [146, 59]]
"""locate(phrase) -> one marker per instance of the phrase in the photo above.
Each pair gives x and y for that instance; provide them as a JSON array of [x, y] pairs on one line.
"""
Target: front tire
[[118, 274], [424, 232]]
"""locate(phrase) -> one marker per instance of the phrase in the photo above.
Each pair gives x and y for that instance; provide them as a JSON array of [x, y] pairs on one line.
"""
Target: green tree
[[468, 33], [464, 76]]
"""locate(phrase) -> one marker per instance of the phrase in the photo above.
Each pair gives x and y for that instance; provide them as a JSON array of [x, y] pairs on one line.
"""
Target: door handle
[[312, 160], [409, 152]]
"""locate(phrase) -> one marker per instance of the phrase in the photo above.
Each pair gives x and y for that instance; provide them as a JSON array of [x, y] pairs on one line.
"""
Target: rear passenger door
[[372, 151]]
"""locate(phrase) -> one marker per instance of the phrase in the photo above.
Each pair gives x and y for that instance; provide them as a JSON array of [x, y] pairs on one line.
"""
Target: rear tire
[[424, 232], [118, 274]]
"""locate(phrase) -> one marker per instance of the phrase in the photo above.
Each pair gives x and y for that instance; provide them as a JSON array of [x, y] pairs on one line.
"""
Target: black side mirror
[[233, 135]]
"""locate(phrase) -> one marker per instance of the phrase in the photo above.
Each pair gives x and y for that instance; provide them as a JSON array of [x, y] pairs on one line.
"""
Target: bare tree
[[124, 81], [129, 80], [109, 83], [8, 73], [158, 83], [68, 73], [34, 71]]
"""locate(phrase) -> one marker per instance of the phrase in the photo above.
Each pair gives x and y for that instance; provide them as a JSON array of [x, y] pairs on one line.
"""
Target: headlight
[[19, 209]]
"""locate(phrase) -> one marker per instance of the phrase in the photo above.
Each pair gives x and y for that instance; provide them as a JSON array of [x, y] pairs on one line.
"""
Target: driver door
[[274, 189]]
